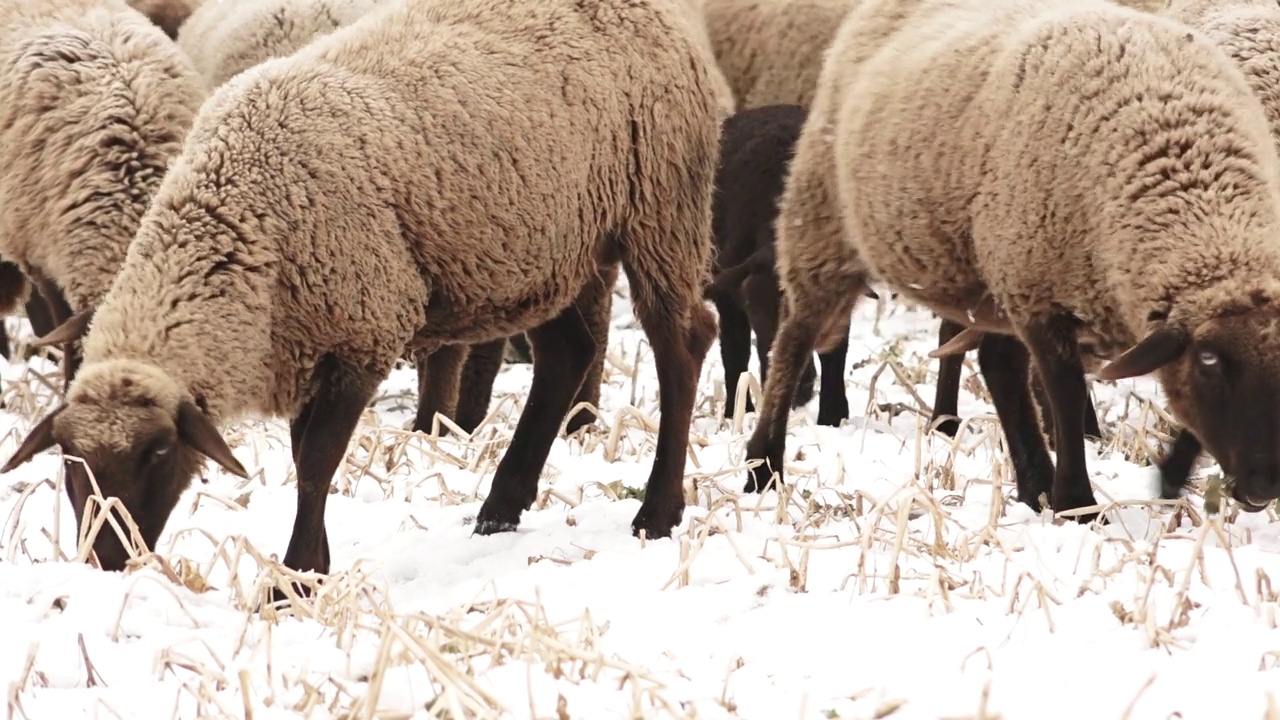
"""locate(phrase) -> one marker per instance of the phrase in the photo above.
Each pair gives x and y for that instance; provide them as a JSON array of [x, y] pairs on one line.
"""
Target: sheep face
[[128, 429], [140, 460], [1223, 382]]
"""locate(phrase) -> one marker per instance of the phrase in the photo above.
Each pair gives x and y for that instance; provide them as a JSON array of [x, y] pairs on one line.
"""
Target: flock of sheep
[[197, 194]]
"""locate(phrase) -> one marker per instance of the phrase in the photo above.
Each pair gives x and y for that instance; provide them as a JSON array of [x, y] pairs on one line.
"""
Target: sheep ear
[[73, 329], [964, 341], [37, 441], [195, 430], [1150, 354]]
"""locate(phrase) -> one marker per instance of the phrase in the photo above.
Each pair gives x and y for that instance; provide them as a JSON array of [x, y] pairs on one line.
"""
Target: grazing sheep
[[96, 102], [964, 152], [168, 14], [755, 147], [489, 163], [771, 50], [1249, 32]]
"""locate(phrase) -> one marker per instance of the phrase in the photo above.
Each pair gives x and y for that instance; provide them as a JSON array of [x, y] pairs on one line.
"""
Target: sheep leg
[[60, 312], [475, 389], [833, 403], [1091, 429], [679, 349], [319, 436], [735, 348], [1004, 363], [439, 376], [563, 349], [763, 301], [1055, 351], [1175, 467], [946, 398], [596, 305]]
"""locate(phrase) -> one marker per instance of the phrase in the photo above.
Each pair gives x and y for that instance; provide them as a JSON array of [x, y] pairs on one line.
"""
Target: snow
[[882, 583]]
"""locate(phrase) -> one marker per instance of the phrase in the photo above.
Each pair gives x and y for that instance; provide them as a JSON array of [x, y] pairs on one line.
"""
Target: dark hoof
[[730, 406], [833, 413], [948, 427], [580, 419], [760, 479], [656, 522], [493, 527], [1079, 501]]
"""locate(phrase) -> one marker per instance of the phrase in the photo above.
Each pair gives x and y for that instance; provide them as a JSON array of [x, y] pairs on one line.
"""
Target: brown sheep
[[96, 102], [562, 139], [1116, 152], [755, 147]]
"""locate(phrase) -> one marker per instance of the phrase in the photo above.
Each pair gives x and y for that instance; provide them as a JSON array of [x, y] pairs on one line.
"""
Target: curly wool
[[97, 100], [226, 37], [771, 51], [552, 129]]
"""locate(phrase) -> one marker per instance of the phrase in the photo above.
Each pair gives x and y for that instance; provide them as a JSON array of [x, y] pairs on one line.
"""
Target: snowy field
[[894, 578]]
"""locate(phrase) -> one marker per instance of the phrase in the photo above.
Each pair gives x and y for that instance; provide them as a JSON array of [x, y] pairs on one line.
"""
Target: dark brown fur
[[756, 146]]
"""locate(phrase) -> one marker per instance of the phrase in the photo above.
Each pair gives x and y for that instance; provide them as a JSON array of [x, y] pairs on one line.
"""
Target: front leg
[[1003, 362], [439, 376], [833, 400], [320, 435], [563, 351], [1052, 343], [946, 398]]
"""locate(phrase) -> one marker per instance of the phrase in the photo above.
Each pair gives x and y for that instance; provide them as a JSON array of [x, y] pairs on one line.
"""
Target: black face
[[1227, 391], [148, 477]]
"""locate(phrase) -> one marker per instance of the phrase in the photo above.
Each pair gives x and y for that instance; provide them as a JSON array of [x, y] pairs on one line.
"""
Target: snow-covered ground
[[894, 577]]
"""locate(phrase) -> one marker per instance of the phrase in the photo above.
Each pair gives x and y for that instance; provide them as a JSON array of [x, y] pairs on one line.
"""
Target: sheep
[[168, 14], [962, 153], [96, 102], [771, 50], [489, 163], [1247, 31], [694, 15], [231, 36], [755, 147]]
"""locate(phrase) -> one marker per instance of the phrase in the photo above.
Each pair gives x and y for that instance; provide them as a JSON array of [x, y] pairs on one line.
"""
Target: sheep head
[[1222, 378], [141, 437]]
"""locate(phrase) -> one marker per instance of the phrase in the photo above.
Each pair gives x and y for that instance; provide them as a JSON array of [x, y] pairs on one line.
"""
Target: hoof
[[760, 479], [833, 416], [948, 427], [493, 527], [656, 522]]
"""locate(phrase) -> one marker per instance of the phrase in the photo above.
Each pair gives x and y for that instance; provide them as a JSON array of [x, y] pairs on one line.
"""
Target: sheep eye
[[1208, 357], [161, 451]]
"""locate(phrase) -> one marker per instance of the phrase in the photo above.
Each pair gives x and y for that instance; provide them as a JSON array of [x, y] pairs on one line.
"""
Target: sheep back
[[771, 51]]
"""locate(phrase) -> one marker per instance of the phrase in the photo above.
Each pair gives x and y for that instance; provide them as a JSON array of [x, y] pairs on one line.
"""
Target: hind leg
[[596, 306], [946, 399], [763, 305], [439, 375], [735, 349], [680, 334], [814, 308], [563, 349], [833, 403], [475, 388]]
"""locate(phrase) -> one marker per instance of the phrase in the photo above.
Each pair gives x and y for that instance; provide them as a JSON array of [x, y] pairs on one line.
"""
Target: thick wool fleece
[[168, 14], [96, 101], [226, 37], [771, 50], [967, 150], [1248, 31], [480, 158], [694, 13]]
